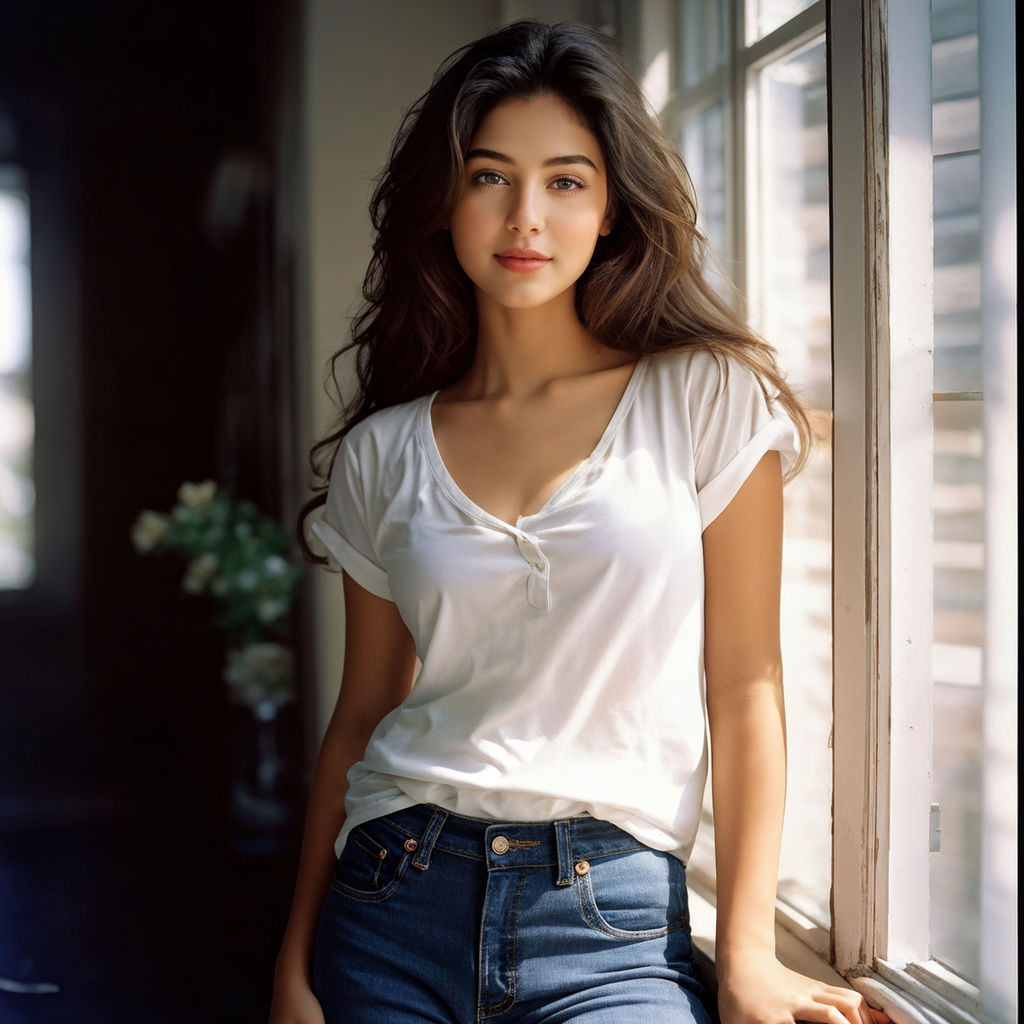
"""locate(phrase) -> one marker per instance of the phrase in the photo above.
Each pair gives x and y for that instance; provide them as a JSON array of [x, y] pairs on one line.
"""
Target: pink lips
[[522, 261]]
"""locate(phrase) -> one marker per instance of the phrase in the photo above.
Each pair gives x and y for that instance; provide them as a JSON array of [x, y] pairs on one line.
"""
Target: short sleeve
[[734, 427], [346, 528]]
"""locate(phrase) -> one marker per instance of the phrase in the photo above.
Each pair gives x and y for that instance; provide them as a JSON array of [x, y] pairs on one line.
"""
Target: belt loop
[[566, 875], [429, 837]]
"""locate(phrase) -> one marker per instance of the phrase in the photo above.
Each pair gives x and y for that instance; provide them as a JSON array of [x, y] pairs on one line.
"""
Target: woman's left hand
[[757, 989]]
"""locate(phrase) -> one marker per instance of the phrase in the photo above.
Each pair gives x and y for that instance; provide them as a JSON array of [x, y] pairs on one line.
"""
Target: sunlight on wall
[[656, 81]]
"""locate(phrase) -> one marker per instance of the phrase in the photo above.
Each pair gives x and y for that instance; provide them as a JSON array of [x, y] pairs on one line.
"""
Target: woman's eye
[[566, 184], [488, 178]]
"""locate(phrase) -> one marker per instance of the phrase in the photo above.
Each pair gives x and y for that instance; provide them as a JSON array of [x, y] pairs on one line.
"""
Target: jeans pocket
[[372, 864], [637, 895]]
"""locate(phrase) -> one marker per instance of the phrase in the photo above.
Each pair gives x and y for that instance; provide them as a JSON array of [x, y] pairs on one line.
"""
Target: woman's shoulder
[[698, 370], [386, 428], [699, 384]]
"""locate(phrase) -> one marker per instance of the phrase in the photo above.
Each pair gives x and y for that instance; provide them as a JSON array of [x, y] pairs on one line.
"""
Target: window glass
[[764, 16], [959, 490], [17, 425], [955, 102], [788, 279], [703, 148], [702, 42], [957, 226]]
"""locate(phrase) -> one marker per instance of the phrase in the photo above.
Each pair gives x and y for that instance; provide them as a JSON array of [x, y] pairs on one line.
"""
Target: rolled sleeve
[[737, 430], [346, 528]]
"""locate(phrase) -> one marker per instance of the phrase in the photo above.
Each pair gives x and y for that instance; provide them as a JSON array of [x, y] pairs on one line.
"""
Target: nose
[[525, 216]]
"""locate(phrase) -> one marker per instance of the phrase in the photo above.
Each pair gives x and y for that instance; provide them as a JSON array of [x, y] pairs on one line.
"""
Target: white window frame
[[883, 319], [882, 322], [882, 607]]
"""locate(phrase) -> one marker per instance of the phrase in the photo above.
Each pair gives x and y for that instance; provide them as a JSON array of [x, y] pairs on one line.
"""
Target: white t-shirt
[[562, 665]]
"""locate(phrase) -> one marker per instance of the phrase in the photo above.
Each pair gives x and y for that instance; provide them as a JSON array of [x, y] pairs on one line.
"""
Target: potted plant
[[238, 559]]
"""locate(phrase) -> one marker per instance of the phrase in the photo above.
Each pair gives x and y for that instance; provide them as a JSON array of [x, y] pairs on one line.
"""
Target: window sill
[[904, 1004]]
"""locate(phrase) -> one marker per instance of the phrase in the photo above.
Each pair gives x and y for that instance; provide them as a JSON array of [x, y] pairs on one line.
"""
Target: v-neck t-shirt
[[561, 656]]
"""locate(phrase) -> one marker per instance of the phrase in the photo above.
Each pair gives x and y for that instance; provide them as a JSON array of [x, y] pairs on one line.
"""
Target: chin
[[524, 299]]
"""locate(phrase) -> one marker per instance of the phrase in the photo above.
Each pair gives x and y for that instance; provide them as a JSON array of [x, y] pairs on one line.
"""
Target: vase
[[263, 791]]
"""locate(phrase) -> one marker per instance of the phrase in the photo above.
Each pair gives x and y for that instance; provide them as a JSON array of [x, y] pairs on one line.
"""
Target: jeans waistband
[[568, 844]]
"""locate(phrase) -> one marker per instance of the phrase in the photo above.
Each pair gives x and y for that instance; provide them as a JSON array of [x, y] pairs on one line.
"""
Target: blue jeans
[[436, 917]]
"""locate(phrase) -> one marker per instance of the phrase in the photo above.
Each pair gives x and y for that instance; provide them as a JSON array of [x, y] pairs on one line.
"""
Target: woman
[[560, 489]]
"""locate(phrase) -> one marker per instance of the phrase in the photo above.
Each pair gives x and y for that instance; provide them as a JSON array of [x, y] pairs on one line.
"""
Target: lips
[[522, 261]]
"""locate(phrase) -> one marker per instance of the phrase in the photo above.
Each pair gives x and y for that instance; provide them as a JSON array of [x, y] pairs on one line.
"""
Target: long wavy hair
[[644, 290]]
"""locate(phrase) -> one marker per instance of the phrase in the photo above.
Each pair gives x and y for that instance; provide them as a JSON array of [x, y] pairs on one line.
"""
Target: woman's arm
[[743, 664], [379, 660]]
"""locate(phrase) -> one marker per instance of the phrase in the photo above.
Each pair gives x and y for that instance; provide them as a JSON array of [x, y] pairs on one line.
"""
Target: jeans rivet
[[410, 845], [581, 868]]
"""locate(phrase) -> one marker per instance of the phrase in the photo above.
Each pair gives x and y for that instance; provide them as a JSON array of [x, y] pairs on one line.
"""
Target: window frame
[[882, 340], [882, 324]]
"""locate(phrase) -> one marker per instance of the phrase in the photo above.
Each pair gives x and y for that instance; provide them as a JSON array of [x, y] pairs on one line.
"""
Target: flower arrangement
[[238, 558]]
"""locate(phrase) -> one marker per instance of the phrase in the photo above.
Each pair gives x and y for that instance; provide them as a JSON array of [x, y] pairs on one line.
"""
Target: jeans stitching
[[378, 855], [594, 919], [495, 1010], [509, 933], [360, 896]]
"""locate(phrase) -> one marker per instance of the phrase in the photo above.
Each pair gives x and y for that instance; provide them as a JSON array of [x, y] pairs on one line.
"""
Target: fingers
[[771, 992], [821, 1013], [851, 1006]]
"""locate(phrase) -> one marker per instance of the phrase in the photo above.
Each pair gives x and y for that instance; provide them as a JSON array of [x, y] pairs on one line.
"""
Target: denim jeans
[[436, 917]]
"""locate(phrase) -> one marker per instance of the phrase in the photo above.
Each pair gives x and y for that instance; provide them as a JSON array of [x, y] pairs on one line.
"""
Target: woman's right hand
[[294, 1002]]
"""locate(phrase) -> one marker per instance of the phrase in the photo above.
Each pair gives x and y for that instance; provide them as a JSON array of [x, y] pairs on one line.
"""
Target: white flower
[[199, 572], [269, 610], [246, 580], [260, 672], [191, 584], [149, 529], [275, 565], [197, 495]]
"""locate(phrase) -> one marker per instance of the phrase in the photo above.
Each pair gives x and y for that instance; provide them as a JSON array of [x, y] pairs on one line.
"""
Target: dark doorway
[[150, 136]]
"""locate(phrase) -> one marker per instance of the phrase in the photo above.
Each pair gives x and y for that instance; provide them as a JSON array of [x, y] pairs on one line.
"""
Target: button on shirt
[[561, 657]]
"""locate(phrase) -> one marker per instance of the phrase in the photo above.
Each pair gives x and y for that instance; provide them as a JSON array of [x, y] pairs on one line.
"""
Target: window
[[750, 117], [855, 167], [958, 490], [17, 547]]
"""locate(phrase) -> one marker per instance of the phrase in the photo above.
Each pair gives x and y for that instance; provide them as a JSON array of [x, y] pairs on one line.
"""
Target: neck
[[519, 351]]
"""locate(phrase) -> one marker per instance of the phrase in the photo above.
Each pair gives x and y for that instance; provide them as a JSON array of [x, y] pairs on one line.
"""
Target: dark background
[[151, 136]]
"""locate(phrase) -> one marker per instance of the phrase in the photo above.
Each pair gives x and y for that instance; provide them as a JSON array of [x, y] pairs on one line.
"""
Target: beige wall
[[586, 11]]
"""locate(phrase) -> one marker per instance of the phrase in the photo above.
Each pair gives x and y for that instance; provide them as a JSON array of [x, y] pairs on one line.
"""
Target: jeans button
[[500, 845]]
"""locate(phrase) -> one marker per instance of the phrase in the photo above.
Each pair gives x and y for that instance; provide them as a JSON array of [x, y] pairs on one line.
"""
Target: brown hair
[[645, 289]]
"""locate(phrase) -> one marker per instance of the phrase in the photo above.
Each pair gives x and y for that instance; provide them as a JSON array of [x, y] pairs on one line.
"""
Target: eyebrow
[[555, 161]]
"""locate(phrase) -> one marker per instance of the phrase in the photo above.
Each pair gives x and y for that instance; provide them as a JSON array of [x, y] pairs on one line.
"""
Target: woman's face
[[533, 203]]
